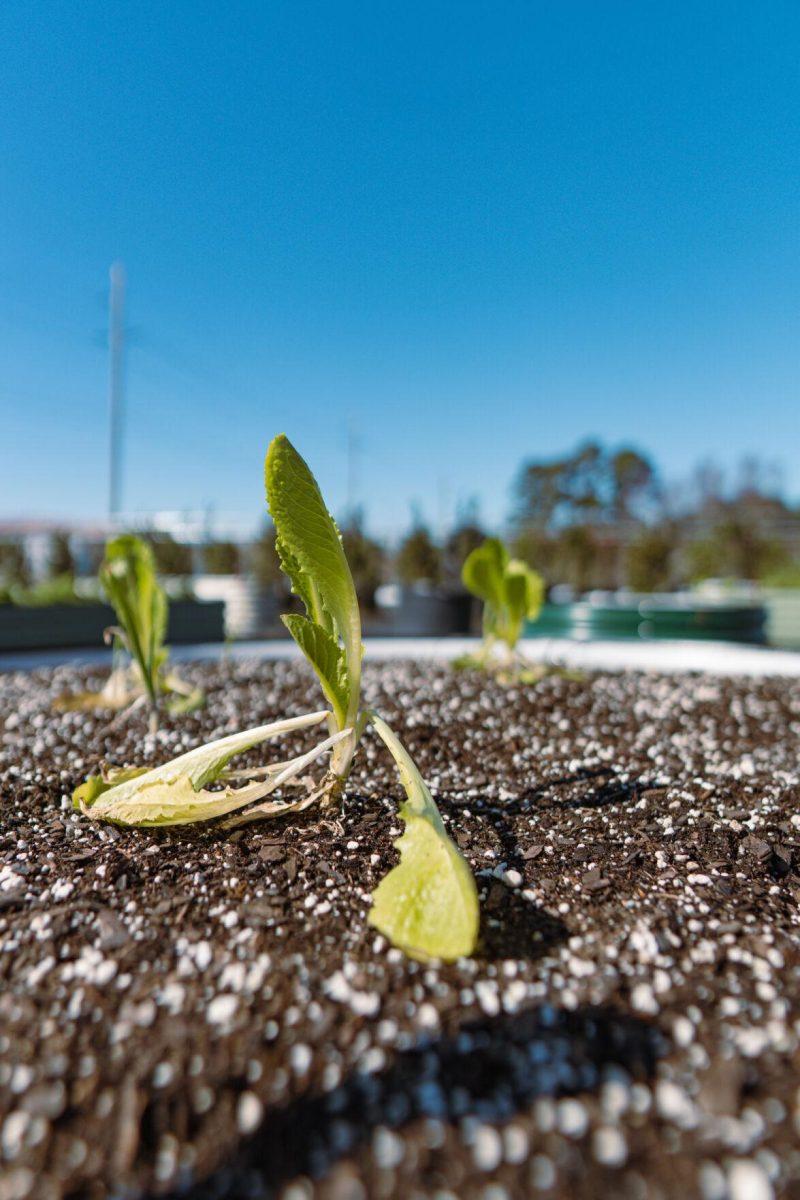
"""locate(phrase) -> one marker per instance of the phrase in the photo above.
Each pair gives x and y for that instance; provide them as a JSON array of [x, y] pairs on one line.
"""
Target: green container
[[644, 619]]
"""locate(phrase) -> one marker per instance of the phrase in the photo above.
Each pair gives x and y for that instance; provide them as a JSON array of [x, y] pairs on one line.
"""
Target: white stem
[[293, 769], [305, 760], [254, 772]]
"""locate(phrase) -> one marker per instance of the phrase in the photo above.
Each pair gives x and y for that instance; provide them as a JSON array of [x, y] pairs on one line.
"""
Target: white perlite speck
[[609, 1146], [572, 1118], [712, 1182], [673, 1104], [364, 1004], [615, 1098], [300, 1058], [487, 1149], [683, 1031], [543, 1173], [387, 1148], [486, 991], [747, 1180], [14, 1129], [10, 881], [515, 1144], [222, 1008], [249, 1111], [643, 1000], [163, 1074]]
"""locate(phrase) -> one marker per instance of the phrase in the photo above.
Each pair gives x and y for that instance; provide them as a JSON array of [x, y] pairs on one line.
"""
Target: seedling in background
[[512, 594], [140, 671], [428, 904]]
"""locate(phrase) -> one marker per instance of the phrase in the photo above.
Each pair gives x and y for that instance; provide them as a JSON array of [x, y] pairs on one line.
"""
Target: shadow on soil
[[491, 1069], [590, 787], [512, 927], [587, 788]]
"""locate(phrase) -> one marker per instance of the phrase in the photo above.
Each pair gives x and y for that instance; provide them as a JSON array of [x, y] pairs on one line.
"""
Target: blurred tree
[[786, 576], [705, 559], [14, 568], [462, 541], [708, 485], [172, 558], [366, 558], [94, 554], [539, 551], [633, 480], [584, 484], [589, 486], [221, 558], [418, 558], [735, 549], [576, 557], [539, 492], [60, 560], [264, 562], [648, 560]]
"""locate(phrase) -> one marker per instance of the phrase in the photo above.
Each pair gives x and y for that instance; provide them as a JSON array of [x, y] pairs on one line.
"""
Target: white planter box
[[248, 607], [783, 616]]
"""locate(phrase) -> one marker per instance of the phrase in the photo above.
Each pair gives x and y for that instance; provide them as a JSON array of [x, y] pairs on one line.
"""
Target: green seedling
[[512, 594], [140, 672], [427, 904]]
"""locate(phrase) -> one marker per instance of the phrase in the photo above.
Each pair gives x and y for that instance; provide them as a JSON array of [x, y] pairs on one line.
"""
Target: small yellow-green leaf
[[428, 904], [524, 590], [482, 572], [326, 657], [87, 793]]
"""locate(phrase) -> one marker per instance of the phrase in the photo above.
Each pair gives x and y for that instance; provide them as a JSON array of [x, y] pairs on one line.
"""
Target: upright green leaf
[[327, 658], [483, 570], [512, 593], [428, 904], [524, 590], [303, 586], [311, 553], [128, 576]]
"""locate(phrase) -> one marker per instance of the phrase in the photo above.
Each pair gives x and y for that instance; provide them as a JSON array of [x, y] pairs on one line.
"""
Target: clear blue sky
[[477, 231]]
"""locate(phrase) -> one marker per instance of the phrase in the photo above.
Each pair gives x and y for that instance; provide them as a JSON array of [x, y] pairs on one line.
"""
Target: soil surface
[[207, 1014]]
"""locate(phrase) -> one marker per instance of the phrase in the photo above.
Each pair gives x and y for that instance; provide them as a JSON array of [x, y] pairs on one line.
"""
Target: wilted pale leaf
[[174, 794]]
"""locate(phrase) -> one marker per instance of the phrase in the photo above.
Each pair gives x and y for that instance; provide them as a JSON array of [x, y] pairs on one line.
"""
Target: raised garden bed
[[82, 625], [207, 1014], [653, 617]]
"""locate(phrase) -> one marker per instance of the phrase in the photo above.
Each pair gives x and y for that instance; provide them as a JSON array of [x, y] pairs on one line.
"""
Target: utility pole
[[116, 388], [353, 447]]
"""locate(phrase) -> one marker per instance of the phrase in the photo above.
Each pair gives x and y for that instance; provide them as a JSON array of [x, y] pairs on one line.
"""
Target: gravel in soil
[[208, 1015]]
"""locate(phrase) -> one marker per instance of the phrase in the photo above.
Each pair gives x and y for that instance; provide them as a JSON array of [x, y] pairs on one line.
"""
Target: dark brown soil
[[208, 1015]]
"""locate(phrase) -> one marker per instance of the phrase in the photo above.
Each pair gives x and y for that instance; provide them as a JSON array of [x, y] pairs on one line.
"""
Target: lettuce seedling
[[512, 594], [128, 577], [427, 904]]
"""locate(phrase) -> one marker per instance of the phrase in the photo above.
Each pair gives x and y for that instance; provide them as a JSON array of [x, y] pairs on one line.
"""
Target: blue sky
[[473, 232]]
